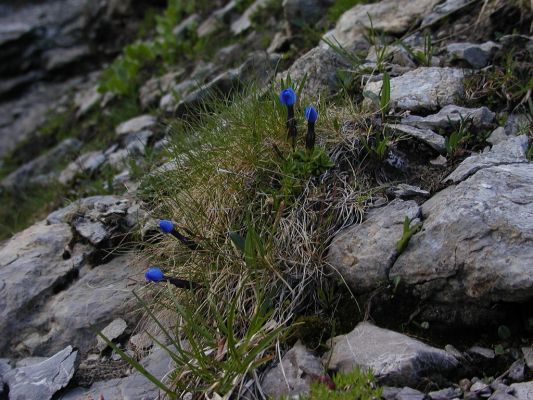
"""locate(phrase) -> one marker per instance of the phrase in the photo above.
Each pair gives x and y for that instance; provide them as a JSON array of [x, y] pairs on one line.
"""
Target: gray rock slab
[[528, 356], [244, 22], [112, 331], [405, 191], [476, 244], [476, 55], [99, 296], [523, 391], [451, 116], [442, 10], [427, 136], [32, 265], [408, 393], [293, 376], [42, 380], [136, 124], [425, 88], [364, 253], [87, 163], [394, 358], [133, 387], [45, 162], [510, 151]]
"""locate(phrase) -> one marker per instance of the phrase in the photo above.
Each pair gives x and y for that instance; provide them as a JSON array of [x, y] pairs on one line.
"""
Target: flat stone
[[523, 391], [482, 352], [510, 151], [353, 252], [32, 264], [87, 163], [151, 92], [451, 116], [445, 394], [112, 331], [46, 162], [425, 88], [135, 386], [136, 124], [294, 375], [481, 389], [217, 20], [410, 394], [427, 136], [517, 371], [44, 379], [86, 100], [477, 55], [389, 16], [405, 191], [244, 22], [61, 58], [99, 296], [94, 231], [394, 358], [186, 25], [498, 395], [92, 206], [483, 228], [390, 392]]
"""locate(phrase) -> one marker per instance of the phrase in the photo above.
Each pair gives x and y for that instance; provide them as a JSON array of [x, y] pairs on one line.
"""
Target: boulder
[[476, 55], [395, 359], [475, 248], [451, 116], [33, 264], [512, 150], [293, 376], [424, 89], [363, 254], [44, 379]]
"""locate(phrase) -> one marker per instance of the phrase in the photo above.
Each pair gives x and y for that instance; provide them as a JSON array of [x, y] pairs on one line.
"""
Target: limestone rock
[[44, 379], [363, 254], [33, 264], [477, 55], [451, 116], [476, 245], [394, 358], [112, 331], [244, 22], [135, 386], [258, 67], [424, 88], [301, 12], [442, 10], [523, 391], [427, 136], [216, 20], [389, 16], [26, 173], [186, 25], [154, 88], [86, 100], [410, 394], [87, 163], [136, 124], [294, 375], [512, 150]]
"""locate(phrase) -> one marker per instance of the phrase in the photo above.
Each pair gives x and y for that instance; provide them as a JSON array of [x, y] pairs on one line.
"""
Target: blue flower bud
[[166, 226], [287, 97], [154, 274], [311, 114]]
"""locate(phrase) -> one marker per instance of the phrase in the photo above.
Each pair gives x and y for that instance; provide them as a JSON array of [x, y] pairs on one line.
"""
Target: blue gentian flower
[[311, 114], [287, 97], [154, 274], [166, 226]]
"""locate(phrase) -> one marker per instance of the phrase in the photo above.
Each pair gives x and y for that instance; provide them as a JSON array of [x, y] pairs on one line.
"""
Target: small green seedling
[[408, 231]]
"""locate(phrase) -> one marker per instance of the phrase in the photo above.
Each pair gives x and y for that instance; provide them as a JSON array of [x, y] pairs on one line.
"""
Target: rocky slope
[[454, 302]]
